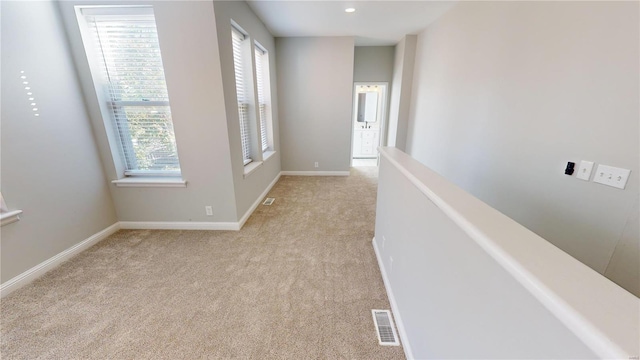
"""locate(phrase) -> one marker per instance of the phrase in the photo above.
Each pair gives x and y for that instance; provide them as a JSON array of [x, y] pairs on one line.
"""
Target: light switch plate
[[612, 176], [584, 171]]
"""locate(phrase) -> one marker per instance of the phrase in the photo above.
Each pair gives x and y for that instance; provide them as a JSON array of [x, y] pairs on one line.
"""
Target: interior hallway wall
[[315, 94], [502, 101]]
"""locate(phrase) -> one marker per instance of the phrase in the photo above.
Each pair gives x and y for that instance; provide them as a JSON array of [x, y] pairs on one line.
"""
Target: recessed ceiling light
[[349, 10]]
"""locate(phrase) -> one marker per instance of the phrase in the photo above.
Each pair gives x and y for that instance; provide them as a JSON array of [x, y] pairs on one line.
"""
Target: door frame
[[382, 137]]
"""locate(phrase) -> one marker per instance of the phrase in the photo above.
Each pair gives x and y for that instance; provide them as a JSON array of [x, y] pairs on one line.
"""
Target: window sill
[[267, 155], [251, 167], [10, 217], [162, 182]]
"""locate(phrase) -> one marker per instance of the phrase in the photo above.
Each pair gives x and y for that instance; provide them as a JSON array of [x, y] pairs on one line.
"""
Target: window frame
[[243, 90], [263, 89], [110, 107]]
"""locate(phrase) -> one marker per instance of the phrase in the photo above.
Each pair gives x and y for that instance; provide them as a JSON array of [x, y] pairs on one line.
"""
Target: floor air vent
[[268, 201], [385, 329]]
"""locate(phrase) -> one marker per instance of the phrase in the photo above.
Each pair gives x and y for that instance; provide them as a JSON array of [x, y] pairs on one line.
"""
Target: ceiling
[[373, 23]]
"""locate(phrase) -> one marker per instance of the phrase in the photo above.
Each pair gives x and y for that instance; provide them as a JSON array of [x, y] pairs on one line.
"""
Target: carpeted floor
[[297, 282]]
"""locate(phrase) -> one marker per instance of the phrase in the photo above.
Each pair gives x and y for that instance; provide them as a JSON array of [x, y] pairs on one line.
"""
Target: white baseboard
[[192, 225], [394, 306], [35, 272], [316, 173], [255, 205], [178, 225]]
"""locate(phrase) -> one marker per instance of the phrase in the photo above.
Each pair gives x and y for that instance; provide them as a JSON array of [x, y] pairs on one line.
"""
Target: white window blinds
[[132, 65], [260, 63], [243, 101]]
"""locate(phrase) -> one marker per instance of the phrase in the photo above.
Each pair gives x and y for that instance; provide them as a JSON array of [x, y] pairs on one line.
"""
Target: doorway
[[368, 124]]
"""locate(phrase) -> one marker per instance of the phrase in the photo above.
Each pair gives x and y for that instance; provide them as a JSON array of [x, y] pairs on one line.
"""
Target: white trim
[[268, 155], [255, 205], [164, 182], [154, 173], [406, 346], [35, 272], [315, 173], [251, 167], [178, 225], [10, 217], [595, 309]]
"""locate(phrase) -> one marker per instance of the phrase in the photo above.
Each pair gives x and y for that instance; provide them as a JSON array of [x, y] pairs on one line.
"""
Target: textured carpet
[[297, 282]]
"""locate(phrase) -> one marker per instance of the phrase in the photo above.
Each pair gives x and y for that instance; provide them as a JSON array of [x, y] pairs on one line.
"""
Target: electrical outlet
[[612, 176], [316, 164], [208, 210]]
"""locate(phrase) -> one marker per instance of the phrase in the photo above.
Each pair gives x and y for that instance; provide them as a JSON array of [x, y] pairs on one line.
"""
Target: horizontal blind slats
[[243, 104], [132, 64], [259, 54]]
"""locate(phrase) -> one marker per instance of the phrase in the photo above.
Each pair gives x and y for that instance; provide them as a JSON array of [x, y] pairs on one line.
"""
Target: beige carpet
[[297, 282]]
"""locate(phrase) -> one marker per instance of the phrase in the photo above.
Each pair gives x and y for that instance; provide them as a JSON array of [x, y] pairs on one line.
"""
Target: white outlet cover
[[584, 171], [612, 176]]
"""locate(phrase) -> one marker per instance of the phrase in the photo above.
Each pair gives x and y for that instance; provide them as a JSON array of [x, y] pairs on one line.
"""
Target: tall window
[[126, 44], [261, 62], [243, 100]]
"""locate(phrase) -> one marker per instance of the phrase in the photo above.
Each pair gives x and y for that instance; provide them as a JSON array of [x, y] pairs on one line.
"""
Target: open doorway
[[369, 120]]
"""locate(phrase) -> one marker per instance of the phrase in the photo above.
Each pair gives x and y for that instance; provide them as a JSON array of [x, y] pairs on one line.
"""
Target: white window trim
[[10, 217], [252, 167], [268, 154], [262, 82], [7, 216], [106, 103], [244, 122], [155, 182]]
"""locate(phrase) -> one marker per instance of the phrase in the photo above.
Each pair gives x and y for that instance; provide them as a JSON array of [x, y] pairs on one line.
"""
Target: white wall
[[189, 45], [247, 189], [502, 100], [315, 89], [401, 92], [50, 164]]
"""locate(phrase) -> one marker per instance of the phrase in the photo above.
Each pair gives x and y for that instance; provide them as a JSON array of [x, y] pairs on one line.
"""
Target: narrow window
[[243, 100], [125, 42], [262, 85]]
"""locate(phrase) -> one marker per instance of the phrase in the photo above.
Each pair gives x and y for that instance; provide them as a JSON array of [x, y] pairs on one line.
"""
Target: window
[[127, 52], [262, 85], [238, 39]]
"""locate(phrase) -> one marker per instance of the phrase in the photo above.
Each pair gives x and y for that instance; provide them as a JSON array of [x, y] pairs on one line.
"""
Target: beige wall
[[505, 93], [373, 63], [247, 189], [50, 164], [189, 45], [315, 88]]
